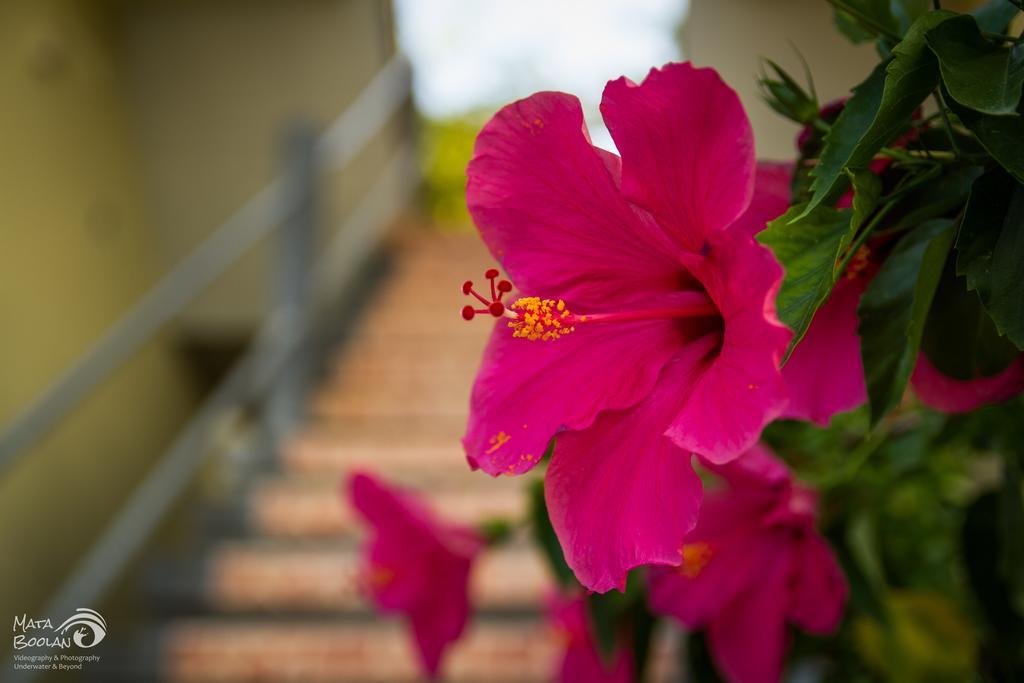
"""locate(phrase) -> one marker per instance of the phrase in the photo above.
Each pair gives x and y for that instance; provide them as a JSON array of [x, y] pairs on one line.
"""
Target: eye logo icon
[[87, 625]]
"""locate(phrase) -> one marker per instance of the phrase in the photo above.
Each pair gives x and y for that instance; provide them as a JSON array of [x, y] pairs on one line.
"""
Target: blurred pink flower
[[581, 661], [753, 563], [416, 565], [825, 373], [649, 310], [951, 395]]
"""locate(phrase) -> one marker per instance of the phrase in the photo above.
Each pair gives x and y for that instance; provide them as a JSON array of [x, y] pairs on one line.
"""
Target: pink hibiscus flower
[[753, 563], [581, 662], [416, 565], [648, 309]]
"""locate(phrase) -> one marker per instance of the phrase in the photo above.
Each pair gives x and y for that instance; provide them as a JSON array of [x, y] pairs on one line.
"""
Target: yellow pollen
[[379, 576], [543, 319], [695, 557], [497, 441], [859, 263]]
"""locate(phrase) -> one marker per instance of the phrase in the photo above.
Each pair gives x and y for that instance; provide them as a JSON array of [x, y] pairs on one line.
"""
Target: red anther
[[493, 305]]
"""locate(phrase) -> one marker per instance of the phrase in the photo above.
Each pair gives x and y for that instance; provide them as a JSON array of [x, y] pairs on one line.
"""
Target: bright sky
[[479, 54]]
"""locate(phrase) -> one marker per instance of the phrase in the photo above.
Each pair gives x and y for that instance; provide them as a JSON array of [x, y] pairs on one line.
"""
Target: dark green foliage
[[981, 74], [990, 250], [893, 311]]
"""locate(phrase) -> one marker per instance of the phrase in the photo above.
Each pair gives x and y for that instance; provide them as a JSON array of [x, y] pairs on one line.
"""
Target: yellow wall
[[74, 253], [733, 35], [212, 87]]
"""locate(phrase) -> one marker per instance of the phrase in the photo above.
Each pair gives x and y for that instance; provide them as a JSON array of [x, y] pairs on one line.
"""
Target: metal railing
[[286, 205]]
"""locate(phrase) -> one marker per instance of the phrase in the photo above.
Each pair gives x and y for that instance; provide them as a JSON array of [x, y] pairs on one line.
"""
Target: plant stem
[[945, 119], [1002, 37], [861, 238]]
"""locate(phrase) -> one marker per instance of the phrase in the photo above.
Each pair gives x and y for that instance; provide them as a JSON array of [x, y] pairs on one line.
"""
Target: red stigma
[[492, 306]]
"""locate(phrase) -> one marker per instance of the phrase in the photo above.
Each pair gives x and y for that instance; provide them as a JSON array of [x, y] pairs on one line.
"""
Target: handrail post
[[292, 282]]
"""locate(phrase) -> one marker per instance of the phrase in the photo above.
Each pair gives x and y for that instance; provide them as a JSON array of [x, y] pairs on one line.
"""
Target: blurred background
[[232, 236]]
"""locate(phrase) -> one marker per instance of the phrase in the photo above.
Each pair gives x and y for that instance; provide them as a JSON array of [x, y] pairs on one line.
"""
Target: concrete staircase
[[271, 595]]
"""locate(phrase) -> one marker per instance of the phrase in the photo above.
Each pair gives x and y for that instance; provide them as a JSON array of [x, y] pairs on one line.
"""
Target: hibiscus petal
[[548, 207], [748, 638], [742, 390], [620, 494], [441, 617], [825, 374], [820, 588], [527, 391], [758, 468], [770, 200], [687, 149], [581, 660], [950, 395]]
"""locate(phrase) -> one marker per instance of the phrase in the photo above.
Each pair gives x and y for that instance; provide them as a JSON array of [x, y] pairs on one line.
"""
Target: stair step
[[304, 507], [258, 577], [384, 446], [208, 651]]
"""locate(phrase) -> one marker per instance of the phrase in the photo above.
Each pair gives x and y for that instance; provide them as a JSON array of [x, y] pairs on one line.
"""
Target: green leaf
[[786, 96], [842, 140], [614, 615], [867, 190], [893, 311], [544, 535], [959, 338], [978, 73], [990, 250], [808, 249], [604, 610], [935, 199], [1000, 136], [880, 108], [995, 16], [862, 539]]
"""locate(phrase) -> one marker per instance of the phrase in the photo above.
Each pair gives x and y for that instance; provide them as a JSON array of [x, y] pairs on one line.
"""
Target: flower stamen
[[695, 557], [493, 306]]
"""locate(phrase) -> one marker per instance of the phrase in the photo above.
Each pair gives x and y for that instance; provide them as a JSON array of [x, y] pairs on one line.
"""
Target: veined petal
[[687, 149], [547, 205], [770, 199], [619, 493], [825, 373], [950, 395], [527, 391], [742, 390]]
